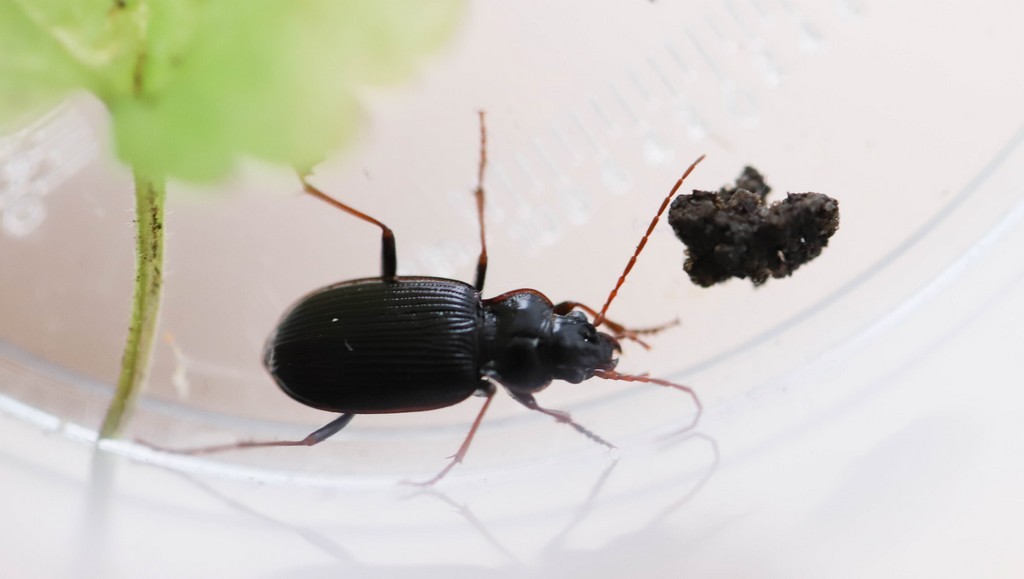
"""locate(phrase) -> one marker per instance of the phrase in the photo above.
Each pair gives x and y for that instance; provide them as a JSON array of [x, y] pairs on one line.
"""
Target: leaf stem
[[150, 193]]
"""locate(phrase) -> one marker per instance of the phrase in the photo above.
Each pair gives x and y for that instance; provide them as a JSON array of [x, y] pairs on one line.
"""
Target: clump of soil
[[733, 233]]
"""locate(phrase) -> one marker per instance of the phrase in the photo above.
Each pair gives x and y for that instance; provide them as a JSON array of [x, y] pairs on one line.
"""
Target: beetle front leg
[[317, 436], [527, 400], [489, 391]]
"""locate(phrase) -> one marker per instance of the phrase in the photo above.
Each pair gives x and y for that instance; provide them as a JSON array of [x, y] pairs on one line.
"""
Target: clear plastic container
[[860, 416]]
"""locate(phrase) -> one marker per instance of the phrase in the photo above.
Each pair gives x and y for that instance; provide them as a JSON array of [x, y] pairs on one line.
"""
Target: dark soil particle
[[733, 233]]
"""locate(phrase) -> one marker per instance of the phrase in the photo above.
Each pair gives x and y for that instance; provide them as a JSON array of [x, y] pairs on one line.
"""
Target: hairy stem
[[149, 254]]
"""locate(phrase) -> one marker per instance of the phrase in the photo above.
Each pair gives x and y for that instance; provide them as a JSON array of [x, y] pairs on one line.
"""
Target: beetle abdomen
[[374, 346]]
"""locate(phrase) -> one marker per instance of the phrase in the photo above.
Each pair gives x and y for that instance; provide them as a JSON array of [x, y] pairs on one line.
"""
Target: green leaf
[[192, 85], [49, 48]]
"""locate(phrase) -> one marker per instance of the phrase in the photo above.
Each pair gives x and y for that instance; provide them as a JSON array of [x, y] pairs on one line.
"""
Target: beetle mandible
[[393, 343]]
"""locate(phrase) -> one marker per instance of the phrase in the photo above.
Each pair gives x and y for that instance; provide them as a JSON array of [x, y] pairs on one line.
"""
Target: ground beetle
[[394, 343]]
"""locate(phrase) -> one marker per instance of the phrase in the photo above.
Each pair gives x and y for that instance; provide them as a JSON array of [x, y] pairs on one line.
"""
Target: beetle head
[[576, 349]]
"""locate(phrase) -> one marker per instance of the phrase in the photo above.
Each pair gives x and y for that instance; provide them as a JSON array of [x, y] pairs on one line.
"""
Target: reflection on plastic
[[693, 459]]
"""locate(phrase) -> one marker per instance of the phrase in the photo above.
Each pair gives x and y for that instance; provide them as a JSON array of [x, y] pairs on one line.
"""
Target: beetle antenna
[[644, 378], [643, 241]]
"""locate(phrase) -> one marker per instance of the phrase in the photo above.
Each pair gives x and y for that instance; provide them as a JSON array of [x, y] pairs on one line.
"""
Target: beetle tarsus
[[560, 416]]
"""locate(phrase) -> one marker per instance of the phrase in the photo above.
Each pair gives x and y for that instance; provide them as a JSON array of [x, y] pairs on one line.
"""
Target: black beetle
[[394, 344]]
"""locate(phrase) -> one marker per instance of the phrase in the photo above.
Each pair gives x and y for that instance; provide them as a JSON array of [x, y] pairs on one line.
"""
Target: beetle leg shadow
[[467, 513], [700, 482], [527, 400], [314, 538], [556, 543], [695, 484]]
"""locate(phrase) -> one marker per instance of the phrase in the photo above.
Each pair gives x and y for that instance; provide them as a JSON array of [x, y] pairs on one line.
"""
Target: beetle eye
[[576, 316]]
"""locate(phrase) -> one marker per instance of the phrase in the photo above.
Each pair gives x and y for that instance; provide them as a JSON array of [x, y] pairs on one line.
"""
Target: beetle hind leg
[[478, 193], [388, 253], [317, 436]]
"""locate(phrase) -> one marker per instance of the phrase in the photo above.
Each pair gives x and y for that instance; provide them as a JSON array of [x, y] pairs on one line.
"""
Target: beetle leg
[[461, 453], [645, 379], [317, 436], [617, 329], [527, 400], [481, 264], [388, 254]]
